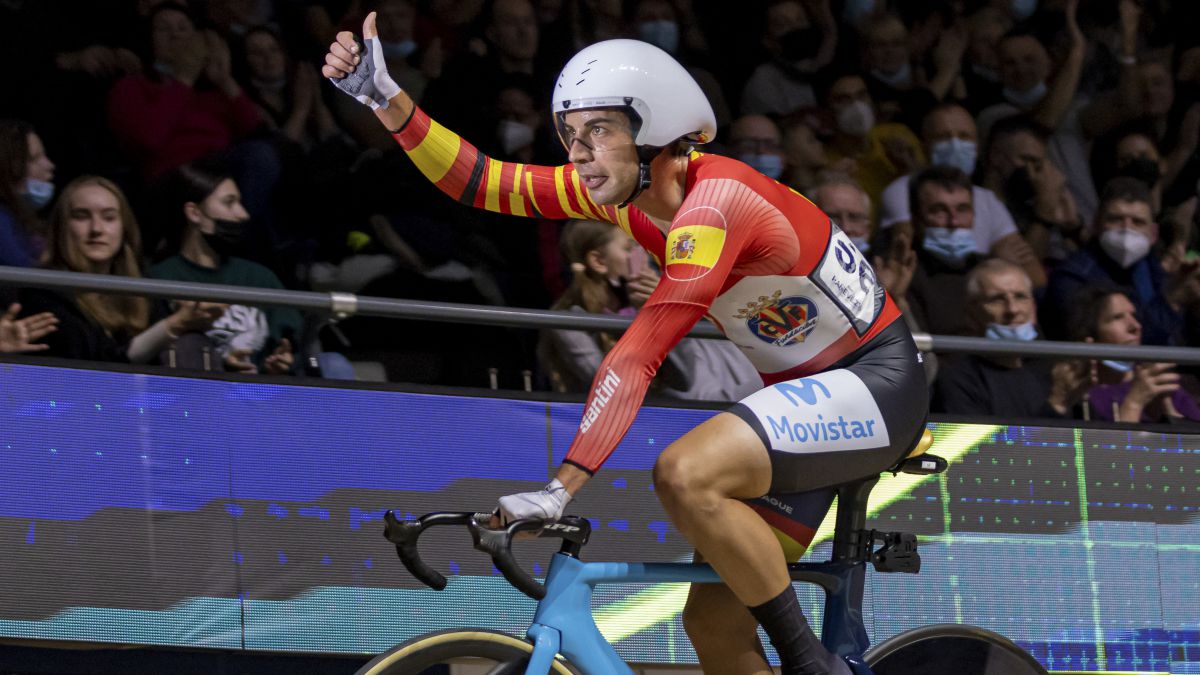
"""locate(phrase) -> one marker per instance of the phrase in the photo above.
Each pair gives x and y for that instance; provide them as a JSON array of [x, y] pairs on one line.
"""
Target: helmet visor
[[612, 124]]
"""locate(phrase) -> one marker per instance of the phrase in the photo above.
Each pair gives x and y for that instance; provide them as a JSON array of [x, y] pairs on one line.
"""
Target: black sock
[[800, 652]]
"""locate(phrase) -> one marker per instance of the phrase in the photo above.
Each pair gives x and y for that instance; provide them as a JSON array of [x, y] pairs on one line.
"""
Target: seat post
[[852, 519]]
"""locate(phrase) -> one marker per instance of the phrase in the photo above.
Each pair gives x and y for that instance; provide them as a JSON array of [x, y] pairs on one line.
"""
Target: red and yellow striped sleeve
[[458, 168]]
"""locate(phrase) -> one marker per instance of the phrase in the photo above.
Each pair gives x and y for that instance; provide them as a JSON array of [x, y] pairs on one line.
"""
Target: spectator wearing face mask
[[879, 153], [506, 54], [904, 90], [1122, 255], [755, 140], [848, 206], [1000, 305], [26, 187], [1132, 153], [799, 44], [209, 207], [663, 24], [1127, 391], [1017, 166], [410, 64], [947, 247], [951, 140], [1051, 102], [981, 72]]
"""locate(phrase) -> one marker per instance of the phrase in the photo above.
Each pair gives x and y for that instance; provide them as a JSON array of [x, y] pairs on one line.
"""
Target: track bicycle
[[564, 639]]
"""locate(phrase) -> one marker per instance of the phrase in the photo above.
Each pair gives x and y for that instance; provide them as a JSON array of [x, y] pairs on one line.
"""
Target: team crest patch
[[684, 248], [780, 321]]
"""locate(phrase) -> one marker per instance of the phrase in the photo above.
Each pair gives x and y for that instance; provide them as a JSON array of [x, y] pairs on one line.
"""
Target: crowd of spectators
[[1014, 169]]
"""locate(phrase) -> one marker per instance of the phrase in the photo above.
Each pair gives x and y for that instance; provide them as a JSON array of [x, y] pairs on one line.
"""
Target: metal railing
[[342, 305]]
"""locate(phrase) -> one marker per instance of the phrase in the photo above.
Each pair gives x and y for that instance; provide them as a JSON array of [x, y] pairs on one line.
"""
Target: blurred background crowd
[[1015, 169]]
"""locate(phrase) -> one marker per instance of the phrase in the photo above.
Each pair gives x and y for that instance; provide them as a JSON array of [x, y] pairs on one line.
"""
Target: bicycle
[[564, 639]]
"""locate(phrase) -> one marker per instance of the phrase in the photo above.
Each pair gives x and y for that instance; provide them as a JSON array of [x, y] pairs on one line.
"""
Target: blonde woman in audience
[[92, 229]]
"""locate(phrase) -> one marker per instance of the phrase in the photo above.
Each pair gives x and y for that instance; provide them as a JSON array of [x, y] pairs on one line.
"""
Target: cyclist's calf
[[723, 631]]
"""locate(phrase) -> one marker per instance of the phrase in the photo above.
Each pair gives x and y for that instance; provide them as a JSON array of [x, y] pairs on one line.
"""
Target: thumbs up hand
[[360, 71]]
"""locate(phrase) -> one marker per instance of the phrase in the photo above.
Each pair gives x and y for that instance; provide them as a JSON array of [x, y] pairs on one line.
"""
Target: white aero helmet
[[665, 102]]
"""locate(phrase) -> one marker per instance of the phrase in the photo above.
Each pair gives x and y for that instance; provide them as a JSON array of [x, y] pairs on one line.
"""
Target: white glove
[[370, 82], [547, 504]]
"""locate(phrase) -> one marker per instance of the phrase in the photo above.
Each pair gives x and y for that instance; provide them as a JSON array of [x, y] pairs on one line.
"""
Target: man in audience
[[1122, 255], [848, 205], [1017, 166], [946, 240], [951, 139], [505, 57], [1025, 71], [881, 153], [755, 140], [799, 44], [1000, 305]]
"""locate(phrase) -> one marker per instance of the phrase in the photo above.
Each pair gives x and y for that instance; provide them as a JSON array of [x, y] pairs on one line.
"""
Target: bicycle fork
[[546, 643]]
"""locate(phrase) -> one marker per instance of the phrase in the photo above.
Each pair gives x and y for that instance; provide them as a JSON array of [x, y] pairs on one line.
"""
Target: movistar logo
[[821, 430], [804, 389], [808, 393]]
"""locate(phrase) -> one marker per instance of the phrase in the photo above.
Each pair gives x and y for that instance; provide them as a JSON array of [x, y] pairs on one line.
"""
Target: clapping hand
[[195, 316], [21, 335], [280, 361]]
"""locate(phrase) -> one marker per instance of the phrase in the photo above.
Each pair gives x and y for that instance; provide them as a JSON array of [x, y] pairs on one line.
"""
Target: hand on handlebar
[[545, 504]]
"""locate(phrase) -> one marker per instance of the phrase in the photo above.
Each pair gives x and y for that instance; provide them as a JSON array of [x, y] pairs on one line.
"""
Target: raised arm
[[451, 163], [1052, 109]]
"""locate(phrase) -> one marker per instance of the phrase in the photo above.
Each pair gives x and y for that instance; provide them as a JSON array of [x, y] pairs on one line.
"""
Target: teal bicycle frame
[[563, 622]]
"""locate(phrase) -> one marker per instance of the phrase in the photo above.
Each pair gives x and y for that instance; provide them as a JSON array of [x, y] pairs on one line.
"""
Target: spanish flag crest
[[693, 250]]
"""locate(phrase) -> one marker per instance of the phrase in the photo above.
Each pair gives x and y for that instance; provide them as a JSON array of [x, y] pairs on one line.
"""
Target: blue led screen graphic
[[160, 510]]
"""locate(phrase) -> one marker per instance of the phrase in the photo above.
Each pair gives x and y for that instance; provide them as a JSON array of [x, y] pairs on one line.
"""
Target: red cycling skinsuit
[[846, 392]]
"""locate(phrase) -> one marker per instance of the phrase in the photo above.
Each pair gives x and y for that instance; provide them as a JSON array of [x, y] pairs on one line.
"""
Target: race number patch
[[826, 412], [693, 250], [849, 280]]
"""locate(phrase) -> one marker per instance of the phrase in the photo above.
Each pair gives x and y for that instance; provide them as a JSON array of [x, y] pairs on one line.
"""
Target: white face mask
[[901, 79], [38, 193], [856, 119], [514, 135], [1019, 331], [1025, 99], [954, 152], [1126, 247]]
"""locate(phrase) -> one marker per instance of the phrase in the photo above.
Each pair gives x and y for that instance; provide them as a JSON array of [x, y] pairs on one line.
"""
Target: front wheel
[[476, 650], [952, 649]]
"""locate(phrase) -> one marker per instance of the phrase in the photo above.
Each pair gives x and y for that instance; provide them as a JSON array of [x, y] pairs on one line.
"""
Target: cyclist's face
[[600, 145]]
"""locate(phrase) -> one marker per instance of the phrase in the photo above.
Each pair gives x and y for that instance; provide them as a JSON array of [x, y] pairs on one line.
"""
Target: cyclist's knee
[[680, 475]]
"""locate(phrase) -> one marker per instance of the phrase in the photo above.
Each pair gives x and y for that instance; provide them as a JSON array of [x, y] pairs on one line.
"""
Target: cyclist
[[845, 392]]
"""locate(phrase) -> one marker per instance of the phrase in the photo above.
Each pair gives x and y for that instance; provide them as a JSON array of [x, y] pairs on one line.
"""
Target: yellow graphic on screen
[[663, 602]]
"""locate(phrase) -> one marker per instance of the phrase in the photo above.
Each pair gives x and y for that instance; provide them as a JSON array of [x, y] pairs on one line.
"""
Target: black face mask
[[1143, 169], [800, 44], [226, 237], [1018, 187]]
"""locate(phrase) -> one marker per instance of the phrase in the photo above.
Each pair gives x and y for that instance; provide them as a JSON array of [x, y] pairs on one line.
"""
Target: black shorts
[[856, 419]]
